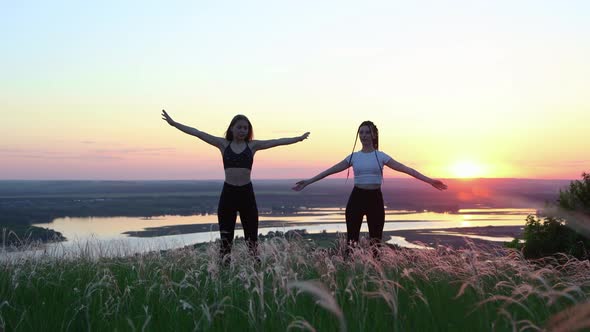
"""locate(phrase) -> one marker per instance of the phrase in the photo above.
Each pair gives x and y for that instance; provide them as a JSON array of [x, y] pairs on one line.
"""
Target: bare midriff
[[237, 176], [370, 186]]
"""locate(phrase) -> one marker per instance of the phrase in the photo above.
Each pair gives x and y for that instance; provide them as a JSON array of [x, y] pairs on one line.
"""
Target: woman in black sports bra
[[237, 149]]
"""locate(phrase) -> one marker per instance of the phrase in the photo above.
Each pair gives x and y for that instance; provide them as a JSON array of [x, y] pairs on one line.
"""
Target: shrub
[[555, 234], [550, 236], [577, 196]]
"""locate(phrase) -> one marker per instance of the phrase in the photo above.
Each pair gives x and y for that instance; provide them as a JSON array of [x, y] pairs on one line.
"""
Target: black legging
[[367, 202], [236, 199]]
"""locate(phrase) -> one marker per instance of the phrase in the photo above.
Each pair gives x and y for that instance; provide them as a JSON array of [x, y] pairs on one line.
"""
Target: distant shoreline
[[453, 237], [24, 203], [450, 237], [213, 227]]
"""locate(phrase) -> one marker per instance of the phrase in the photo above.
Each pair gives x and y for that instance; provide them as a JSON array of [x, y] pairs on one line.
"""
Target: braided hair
[[375, 137]]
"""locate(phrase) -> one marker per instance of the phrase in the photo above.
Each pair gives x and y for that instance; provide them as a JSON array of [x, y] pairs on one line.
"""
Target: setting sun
[[466, 169]]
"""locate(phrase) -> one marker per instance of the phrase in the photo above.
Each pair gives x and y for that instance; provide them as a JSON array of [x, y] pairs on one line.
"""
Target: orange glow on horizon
[[468, 169]]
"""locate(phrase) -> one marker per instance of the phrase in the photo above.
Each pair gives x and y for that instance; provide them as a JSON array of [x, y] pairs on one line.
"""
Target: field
[[302, 282], [296, 285]]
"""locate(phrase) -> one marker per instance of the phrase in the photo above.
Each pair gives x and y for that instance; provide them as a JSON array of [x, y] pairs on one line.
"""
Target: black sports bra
[[243, 159]]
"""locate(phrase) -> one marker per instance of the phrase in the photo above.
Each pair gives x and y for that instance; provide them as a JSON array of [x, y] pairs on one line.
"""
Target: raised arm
[[271, 143], [213, 140], [332, 170], [412, 172]]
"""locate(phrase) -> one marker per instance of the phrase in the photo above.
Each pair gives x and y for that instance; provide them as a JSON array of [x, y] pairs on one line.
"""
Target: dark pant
[[363, 202], [236, 199]]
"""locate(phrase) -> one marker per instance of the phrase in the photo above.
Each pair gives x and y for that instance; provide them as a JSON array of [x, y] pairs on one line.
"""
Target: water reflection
[[115, 227], [400, 241], [108, 238], [480, 237]]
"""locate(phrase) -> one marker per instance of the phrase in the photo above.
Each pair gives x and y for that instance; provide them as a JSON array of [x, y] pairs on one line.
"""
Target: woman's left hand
[[304, 136], [300, 185]]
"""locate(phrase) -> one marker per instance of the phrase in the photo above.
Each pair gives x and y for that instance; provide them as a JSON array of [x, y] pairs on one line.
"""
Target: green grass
[[296, 286]]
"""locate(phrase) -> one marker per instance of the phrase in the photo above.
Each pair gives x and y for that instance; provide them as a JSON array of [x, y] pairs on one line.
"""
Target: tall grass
[[295, 286]]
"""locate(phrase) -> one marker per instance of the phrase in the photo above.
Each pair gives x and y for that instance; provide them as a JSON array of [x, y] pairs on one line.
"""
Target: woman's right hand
[[300, 185], [438, 184], [167, 118]]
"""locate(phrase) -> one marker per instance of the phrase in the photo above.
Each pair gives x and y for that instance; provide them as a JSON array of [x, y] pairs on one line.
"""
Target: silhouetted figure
[[237, 149], [366, 198]]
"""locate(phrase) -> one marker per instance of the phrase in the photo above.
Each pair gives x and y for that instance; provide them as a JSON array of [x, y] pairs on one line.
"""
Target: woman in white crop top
[[366, 197]]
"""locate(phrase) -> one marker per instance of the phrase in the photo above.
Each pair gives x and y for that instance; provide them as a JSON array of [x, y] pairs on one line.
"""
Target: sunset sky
[[457, 88]]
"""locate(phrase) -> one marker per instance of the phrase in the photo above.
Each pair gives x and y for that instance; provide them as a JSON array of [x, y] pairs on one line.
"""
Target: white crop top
[[368, 166]]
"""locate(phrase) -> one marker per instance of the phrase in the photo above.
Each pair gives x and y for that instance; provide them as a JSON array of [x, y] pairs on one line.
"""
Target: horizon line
[[281, 179]]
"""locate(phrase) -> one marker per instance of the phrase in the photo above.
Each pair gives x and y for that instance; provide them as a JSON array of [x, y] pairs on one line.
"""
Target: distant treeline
[[28, 202]]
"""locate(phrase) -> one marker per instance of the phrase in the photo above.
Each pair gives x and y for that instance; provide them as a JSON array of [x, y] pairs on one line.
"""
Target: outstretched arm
[[412, 172], [213, 140], [271, 143], [332, 170]]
